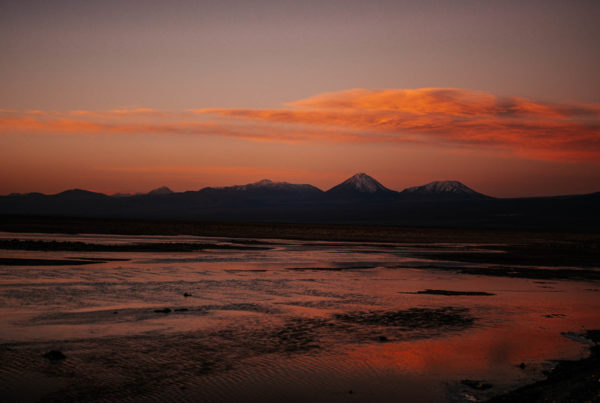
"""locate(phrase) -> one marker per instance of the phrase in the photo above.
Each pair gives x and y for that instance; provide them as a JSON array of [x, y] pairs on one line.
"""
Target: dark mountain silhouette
[[161, 191], [79, 195], [360, 185], [442, 190], [268, 190], [358, 200], [261, 193]]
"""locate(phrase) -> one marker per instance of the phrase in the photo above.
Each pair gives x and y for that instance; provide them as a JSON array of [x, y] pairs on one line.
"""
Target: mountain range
[[359, 185], [358, 200]]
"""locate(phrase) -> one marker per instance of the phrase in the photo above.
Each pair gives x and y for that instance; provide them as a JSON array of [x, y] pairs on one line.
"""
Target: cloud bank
[[447, 117]]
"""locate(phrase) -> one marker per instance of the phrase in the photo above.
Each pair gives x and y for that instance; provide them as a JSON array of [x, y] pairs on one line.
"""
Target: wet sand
[[296, 320]]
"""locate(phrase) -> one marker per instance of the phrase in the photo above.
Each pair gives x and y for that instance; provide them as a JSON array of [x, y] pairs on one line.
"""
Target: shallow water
[[320, 321]]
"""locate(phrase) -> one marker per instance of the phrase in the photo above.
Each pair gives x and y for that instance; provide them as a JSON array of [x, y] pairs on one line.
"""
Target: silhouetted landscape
[[217, 286], [358, 200]]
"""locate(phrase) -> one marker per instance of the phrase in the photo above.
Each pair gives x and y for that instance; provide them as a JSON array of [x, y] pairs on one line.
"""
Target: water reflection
[[323, 321]]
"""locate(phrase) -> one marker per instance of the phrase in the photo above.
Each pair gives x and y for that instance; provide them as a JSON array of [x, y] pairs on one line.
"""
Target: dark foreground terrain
[[450, 205], [323, 232], [517, 247], [570, 381]]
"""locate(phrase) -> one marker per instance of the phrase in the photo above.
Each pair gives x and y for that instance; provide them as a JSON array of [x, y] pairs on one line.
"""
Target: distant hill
[[359, 199], [269, 185], [161, 191], [442, 190]]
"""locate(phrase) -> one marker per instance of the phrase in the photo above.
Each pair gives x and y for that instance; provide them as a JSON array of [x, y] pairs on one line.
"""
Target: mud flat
[[584, 252], [450, 293], [36, 245], [47, 262], [142, 366], [574, 274], [365, 314]]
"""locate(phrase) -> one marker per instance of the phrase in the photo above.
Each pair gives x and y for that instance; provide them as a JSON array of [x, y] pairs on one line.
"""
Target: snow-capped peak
[[264, 182], [442, 187], [362, 183], [269, 184]]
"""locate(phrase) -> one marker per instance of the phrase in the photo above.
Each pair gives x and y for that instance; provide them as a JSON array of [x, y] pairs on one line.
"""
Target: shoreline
[[495, 247], [280, 230], [569, 381]]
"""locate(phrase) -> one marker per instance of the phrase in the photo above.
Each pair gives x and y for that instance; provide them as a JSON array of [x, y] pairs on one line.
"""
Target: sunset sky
[[127, 96]]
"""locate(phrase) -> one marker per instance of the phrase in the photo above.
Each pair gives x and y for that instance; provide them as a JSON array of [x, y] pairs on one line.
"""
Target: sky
[[127, 96]]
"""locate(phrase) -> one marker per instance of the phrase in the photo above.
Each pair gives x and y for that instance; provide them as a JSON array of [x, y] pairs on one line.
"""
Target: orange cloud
[[447, 101], [133, 112], [195, 170], [99, 123], [446, 117], [567, 131]]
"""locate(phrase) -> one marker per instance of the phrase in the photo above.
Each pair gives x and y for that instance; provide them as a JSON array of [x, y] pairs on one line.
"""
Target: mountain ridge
[[160, 191], [359, 200], [359, 183], [447, 189], [268, 184]]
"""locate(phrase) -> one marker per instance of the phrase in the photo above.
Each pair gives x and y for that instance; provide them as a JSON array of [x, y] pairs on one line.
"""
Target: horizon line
[[127, 194]]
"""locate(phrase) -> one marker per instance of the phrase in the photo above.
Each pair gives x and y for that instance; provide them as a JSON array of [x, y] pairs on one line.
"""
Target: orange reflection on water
[[496, 352]]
